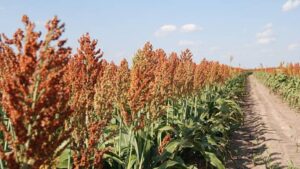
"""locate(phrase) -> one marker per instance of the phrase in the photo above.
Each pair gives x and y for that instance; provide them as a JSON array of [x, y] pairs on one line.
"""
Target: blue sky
[[252, 31]]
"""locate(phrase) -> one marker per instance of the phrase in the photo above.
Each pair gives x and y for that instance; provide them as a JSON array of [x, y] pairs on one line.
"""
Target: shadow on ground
[[248, 144]]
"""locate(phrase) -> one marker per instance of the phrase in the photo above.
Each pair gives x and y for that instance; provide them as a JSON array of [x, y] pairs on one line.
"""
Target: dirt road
[[270, 136]]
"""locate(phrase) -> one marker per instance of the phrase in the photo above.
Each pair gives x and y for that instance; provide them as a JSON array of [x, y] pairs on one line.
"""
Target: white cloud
[[190, 28], [290, 5], [164, 30], [168, 28], [293, 46], [266, 36], [186, 43]]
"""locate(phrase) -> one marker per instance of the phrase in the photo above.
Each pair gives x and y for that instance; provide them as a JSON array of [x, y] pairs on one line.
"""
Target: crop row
[[285, 84], [291, 69], [65, 110]]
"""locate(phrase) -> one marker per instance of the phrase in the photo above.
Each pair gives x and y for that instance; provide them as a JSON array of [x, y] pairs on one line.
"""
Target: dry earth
[[270, 136]]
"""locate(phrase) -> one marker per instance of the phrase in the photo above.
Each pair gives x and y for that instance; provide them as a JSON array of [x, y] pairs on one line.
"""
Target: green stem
[[120, 133], [69, 159], [8, 125], [142, 157], [185, 109], [1, 164], [168, 112], [130, 149], [195, 108]]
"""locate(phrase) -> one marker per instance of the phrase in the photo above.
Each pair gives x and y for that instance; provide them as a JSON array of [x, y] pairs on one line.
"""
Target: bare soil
[[270, 136]]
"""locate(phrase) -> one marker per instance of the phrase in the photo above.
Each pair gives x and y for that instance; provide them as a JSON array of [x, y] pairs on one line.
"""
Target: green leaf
[[114, 157], [132, 161], [63, 159], [166, 128], [214, 161], [172, 146]]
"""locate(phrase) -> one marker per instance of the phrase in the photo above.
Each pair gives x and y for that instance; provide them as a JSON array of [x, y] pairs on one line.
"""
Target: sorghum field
[[62, 107], [80, 111]]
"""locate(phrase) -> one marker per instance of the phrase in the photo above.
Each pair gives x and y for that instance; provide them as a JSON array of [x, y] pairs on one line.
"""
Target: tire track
[[270, 136]]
